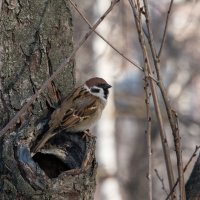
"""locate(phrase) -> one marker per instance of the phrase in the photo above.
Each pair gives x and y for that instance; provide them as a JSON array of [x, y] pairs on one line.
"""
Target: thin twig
[[60, 68], [184, 170], [172, 116], [148, 134], [165, 29], [161, 180], [105, 40], [88, 23], [148, 24], [191, 157], [154, 95], [178, 150]]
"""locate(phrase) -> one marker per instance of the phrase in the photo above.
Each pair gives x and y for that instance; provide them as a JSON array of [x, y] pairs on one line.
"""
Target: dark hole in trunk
[[65, 151]]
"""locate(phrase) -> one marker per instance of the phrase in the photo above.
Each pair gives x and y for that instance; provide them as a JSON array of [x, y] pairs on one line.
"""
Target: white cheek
[[100, 95]]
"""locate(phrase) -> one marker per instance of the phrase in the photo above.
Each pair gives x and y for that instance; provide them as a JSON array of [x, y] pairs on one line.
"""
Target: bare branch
[[191, 157], [161, 180], [88, 23], [105, 40], [150, 33], [185, 168], [178, 150], [136, 10], [165, 29], [148, 134], [172, 116]]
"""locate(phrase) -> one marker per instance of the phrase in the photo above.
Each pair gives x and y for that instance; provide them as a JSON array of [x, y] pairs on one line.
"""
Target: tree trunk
[[193, 183], [35, 37]]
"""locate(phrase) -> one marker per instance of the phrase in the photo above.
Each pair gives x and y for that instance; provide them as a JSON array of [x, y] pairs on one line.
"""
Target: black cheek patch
[[106, 92], [95, 90]]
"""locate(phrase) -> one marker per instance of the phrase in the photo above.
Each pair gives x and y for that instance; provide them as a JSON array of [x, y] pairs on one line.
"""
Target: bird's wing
[[82, 109], [75, 109]]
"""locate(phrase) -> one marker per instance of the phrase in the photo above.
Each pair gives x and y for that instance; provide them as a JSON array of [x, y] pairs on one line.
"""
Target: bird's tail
[[48, 135]]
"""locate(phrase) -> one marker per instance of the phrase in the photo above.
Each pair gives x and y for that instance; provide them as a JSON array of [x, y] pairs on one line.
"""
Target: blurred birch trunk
[[106, 145]]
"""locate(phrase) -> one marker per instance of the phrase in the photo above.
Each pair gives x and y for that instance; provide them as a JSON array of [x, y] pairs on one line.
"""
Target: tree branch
[[136, 10], [165, 29]]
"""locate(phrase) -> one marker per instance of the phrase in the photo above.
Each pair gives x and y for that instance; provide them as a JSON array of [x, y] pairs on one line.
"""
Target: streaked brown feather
[[75, 109], [78, 114]]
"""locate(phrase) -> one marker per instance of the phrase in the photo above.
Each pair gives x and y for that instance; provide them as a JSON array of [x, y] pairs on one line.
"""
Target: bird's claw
[[88, 134]]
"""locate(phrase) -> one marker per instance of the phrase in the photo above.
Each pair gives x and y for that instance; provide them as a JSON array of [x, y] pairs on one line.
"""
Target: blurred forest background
[[121, 142]]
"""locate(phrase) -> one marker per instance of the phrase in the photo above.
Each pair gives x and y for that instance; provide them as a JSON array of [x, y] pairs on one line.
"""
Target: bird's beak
[[107, 86]]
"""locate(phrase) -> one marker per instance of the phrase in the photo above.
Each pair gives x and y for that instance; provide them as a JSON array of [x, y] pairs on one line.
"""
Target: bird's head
[[98, 87]]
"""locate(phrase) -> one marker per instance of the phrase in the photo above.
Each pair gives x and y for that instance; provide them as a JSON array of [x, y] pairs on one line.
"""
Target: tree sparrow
[[78, 112]]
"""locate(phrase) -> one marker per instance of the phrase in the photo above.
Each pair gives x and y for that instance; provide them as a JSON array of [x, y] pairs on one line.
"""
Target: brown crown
[[95, 81]]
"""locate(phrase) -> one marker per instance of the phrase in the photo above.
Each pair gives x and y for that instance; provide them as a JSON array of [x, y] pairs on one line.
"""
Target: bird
[[78, 112]]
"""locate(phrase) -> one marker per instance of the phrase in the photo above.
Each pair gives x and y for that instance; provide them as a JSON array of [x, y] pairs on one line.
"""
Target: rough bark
[[35, 36], [193, 183]]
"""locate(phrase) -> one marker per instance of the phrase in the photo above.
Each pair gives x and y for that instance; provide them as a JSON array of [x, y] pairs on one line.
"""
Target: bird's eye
[[95, 90]]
